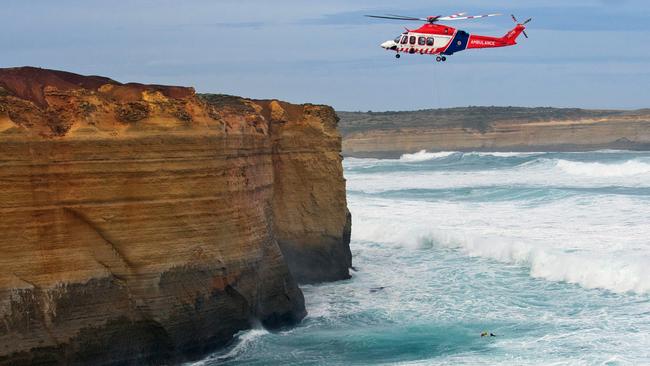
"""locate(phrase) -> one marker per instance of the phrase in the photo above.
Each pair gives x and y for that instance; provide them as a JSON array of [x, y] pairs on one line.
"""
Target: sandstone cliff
[[391, 134], [141, 223]]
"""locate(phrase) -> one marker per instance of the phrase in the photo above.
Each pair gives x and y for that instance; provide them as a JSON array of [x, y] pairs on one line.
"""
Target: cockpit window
[[398, 39], [430, 41], [422, 41], [404, 39]]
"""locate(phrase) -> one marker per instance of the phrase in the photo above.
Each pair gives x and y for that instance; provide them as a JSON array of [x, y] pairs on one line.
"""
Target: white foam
[[423, 155], [506, 154], [624, 169], [539, 172], [243, 341], [596, 240], [564, 242], [609, 151], [618, 274]]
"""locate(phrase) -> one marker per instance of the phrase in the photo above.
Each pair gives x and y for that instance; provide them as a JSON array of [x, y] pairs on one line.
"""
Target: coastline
[[391, 134]]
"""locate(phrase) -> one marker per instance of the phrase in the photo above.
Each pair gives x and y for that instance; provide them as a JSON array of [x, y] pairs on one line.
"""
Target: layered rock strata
[[140, 223], [391, 134]]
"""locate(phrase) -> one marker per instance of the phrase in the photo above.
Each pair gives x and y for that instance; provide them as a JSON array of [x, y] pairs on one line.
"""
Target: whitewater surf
[[549, 251]]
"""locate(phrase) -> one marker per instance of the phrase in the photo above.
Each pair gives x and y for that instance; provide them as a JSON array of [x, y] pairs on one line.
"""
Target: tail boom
[[510, 39]]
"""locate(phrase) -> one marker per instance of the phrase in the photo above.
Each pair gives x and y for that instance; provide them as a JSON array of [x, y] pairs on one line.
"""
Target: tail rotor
[[524, 23]]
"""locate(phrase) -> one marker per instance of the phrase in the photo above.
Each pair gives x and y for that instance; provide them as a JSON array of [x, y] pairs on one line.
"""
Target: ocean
[[550, 252]]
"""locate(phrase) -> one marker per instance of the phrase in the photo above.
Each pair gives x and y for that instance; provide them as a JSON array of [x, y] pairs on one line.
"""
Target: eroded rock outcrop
[[140, 223]]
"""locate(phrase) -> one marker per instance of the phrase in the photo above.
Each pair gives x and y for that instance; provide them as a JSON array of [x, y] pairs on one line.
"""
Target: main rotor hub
[[432, 19]]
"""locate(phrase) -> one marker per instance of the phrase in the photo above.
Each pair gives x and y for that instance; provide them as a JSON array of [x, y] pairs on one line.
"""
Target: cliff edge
[[148, 224]]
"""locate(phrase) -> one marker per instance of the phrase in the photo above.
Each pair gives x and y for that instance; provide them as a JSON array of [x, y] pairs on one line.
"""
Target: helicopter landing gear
[[441, 59], [398, 56]]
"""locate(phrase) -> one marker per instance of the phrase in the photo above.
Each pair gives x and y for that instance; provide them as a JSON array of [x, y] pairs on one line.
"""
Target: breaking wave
[[244, 340], [423, 155], [595, 169], [505, 154], [617, 273], [578, 218]]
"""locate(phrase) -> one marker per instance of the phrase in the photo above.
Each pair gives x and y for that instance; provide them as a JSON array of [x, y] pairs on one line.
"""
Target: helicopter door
[[430, 43]]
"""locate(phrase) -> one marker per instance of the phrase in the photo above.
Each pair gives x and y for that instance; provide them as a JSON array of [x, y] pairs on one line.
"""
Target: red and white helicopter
[[442, 40]]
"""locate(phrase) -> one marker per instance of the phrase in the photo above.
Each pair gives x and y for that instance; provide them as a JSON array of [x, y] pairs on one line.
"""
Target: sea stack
[[146, 224]]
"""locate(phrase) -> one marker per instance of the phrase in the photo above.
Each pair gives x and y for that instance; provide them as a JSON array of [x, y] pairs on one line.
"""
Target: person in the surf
[[488, 334]]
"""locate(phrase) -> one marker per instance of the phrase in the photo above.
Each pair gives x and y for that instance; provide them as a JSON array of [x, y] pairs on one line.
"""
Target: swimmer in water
[[487, 334]]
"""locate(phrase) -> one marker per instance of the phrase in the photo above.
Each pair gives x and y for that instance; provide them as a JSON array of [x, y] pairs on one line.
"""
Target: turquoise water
[[549, 251]]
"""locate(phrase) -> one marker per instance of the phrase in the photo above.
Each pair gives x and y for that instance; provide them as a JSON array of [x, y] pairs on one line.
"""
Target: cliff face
[[391, 134], [140, 223], [312, 223]]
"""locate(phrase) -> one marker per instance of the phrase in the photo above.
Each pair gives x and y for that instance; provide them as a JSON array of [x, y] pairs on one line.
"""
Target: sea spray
[[242, 341]]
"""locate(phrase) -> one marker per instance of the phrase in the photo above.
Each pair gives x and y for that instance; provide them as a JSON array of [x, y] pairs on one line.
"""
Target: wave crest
[[620, 274], [423, 155], [624, 169]]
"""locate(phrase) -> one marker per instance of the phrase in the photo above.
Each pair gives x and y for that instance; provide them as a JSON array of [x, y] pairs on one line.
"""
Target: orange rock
[[145, 220]]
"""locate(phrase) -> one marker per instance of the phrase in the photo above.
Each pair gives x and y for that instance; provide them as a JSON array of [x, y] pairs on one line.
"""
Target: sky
[[581, 53]]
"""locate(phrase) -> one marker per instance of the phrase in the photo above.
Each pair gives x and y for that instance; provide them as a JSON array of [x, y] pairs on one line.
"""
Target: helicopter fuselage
[[443, 40]]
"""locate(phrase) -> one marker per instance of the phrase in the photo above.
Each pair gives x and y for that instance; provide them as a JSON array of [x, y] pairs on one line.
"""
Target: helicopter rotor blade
[[457, 15], [432, 19], [405, 16], [468, 17], [525, 35], [517, 21], [396, 17]]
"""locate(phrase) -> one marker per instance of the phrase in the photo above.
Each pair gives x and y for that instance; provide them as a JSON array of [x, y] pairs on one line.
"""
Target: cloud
[[327, 52]]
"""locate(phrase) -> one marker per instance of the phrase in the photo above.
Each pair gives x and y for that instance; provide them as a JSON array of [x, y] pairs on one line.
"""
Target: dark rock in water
[[377, 289]]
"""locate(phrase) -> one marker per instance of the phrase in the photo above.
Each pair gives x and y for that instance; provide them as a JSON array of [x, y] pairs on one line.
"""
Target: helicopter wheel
[[438, 59], [444, 59], [398, 56]]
